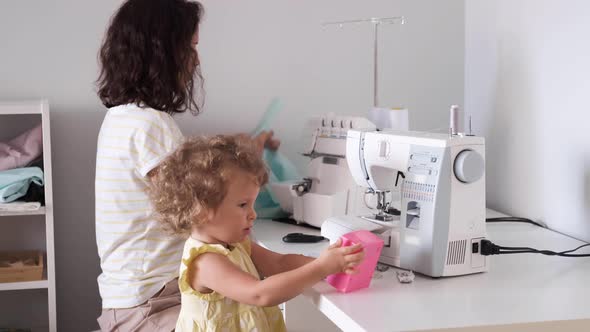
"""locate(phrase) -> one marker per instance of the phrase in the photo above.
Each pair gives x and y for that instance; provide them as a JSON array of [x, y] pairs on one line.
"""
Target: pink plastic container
[[372, 246]]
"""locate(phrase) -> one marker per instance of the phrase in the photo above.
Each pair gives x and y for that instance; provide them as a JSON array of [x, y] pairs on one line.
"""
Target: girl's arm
[[269, 263], [216, 272]]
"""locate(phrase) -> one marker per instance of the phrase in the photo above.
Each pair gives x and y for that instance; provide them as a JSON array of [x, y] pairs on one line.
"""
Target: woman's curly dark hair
[[147, 57], [194, 180]]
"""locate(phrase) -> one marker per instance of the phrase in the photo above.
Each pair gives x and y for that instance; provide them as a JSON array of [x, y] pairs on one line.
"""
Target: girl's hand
[[337, 259], [265, 140]]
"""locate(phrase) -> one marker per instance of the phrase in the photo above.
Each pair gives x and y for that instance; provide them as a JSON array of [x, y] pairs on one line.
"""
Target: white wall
[[255, 50], [527, 79], [251, 51], [48, 50]]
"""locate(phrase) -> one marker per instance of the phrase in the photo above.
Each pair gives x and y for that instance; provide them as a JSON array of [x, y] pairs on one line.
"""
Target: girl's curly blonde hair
[[194, 179]]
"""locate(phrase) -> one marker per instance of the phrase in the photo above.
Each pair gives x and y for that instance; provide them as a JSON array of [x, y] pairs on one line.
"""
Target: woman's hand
[[266, 140]]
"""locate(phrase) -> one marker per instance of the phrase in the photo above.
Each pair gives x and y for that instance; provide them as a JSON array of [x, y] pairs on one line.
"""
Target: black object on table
[[302, 238]]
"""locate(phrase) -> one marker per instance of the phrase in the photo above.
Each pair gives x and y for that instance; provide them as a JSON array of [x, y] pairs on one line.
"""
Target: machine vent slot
[[456, 252]]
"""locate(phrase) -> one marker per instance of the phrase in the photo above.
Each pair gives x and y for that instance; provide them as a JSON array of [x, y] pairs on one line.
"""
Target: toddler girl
[[206, 189]]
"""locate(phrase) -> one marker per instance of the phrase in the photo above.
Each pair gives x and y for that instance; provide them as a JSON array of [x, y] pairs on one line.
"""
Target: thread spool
[[456, 120]]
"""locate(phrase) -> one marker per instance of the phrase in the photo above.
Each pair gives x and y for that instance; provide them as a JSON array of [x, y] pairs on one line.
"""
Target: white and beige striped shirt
[[137, 256]]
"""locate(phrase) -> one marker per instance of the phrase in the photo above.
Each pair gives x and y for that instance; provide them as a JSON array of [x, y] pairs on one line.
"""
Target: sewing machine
[[328, 188], [438, 183]]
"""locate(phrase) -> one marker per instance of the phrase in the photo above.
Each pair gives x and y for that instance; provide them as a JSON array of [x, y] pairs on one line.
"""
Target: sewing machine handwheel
[[469, 166]]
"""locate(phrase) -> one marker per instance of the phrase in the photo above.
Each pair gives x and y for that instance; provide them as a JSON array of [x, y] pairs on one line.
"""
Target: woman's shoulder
[[145, 119], [133, 109]]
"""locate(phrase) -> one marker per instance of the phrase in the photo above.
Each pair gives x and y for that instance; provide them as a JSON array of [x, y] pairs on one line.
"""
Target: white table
[[536, 291]]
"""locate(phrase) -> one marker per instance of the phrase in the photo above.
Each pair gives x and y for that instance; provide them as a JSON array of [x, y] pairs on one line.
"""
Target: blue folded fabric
[[279, 166], [14, 183]]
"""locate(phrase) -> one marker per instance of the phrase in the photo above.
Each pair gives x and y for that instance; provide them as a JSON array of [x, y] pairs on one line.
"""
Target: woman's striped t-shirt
[[137, 256]]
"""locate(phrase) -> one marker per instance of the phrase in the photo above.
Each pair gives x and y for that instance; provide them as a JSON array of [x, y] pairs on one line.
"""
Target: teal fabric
[[14, 183], [279, 166]]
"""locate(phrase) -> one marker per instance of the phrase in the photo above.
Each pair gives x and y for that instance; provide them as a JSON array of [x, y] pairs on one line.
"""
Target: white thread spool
[[456, 120]]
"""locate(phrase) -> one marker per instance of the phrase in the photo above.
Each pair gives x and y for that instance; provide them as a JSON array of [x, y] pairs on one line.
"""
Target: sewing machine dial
[[469, 166]]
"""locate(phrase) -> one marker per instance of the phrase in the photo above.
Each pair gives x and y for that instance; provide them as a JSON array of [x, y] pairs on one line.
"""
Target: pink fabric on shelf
[[21, 150]]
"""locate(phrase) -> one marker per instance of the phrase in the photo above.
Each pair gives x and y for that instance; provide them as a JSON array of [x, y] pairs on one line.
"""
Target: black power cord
[[515, 219], [489, 248]]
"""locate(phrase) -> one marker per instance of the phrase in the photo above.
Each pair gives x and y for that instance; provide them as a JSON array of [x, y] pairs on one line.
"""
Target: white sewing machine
[[441, 179], [328, 188]]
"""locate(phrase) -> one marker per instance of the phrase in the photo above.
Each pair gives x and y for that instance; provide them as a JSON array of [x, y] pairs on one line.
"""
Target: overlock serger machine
[[328, 188], [439, 180]]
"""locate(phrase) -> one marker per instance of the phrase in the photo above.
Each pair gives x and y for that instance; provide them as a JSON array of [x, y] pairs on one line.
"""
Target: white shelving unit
[[21, 302]]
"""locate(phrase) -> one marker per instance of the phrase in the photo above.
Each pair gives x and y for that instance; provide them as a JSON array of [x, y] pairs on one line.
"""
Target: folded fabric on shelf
[[14, 183], [21, 150], [20, 206]]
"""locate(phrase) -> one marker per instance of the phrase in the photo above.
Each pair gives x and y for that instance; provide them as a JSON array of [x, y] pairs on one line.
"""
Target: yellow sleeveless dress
[[215, 313]]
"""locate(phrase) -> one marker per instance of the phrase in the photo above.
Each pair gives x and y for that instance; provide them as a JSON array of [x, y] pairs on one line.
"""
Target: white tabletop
[[519, 288]]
